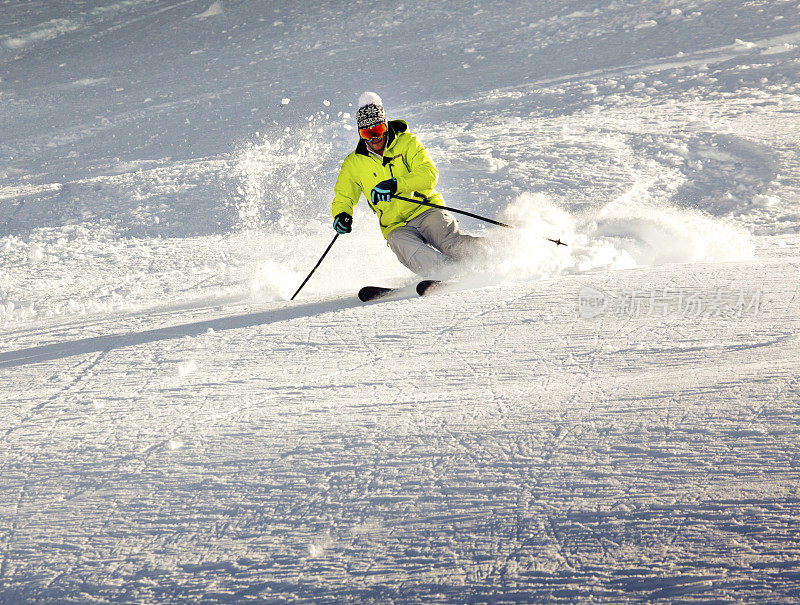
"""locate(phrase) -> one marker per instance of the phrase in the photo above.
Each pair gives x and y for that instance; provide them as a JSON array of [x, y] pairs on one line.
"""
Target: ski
[[423, 288], [428, 286], [368, 293]]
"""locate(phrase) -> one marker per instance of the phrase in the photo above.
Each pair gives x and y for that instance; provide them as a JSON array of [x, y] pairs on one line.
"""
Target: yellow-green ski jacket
[[405, 159]]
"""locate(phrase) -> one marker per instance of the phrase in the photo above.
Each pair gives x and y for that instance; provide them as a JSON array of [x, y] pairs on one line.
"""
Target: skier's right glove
[[343, 223], [383, 191]]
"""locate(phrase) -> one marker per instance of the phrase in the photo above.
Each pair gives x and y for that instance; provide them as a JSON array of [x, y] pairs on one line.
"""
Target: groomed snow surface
[[616, 420]]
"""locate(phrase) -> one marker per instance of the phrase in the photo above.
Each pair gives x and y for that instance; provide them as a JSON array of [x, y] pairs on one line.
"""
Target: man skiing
[[390, 160]]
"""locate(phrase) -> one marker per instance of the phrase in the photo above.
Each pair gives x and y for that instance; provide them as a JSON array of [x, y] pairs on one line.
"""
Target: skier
[[390, 160]]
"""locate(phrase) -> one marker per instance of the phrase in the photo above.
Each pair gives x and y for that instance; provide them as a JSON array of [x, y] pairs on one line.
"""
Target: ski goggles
[[373, 132]]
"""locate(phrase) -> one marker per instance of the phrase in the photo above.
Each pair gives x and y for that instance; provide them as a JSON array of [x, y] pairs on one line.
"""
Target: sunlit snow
[[615, 420]]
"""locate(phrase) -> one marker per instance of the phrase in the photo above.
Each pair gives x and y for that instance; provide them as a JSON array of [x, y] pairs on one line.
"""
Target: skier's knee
[[462, 247], [425, 261]]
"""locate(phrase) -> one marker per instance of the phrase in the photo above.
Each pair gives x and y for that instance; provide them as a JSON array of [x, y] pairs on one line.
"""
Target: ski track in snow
[[174, 430]]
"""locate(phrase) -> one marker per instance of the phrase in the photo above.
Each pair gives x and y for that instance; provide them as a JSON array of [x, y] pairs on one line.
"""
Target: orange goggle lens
[[373, 132]]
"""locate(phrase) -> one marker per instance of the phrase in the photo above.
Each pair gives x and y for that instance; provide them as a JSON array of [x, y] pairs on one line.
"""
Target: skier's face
[[375, 136], [377, 144]]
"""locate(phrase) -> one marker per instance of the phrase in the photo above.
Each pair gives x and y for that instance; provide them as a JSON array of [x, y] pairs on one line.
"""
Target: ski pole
[[557, 242], [477, 216], [319, 262]]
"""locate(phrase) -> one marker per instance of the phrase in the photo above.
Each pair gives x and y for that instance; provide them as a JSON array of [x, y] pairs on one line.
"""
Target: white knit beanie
[[370, 110]]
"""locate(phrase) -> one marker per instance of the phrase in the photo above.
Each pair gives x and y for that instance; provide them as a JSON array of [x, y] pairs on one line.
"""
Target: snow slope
[[615, 420]]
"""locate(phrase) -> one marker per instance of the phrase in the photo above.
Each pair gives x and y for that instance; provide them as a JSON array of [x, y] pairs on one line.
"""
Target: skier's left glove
[[383, 191]]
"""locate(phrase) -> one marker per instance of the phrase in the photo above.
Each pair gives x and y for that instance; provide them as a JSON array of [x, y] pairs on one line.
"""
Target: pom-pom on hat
[[370, 110]]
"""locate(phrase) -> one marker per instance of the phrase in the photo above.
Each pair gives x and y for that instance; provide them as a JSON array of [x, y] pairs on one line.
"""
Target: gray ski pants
[[428, 243]]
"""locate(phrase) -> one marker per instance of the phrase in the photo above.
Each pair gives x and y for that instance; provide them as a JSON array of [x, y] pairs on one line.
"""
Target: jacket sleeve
[[347, 190], [422, 174]]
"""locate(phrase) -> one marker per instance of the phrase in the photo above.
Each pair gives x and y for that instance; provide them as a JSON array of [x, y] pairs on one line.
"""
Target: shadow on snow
[[83, 346]]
